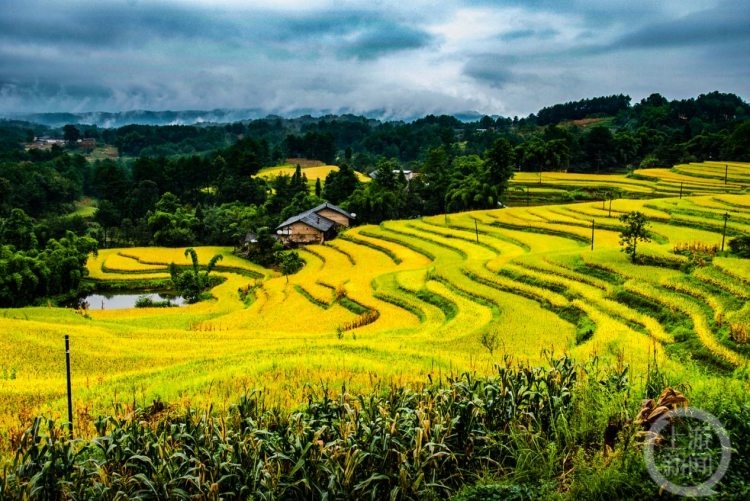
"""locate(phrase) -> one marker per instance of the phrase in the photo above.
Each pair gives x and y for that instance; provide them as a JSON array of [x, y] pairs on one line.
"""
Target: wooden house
[[314, 226]]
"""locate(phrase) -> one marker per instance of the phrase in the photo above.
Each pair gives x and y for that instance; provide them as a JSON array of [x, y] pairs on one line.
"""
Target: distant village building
[[87, 143], [46, 143], [408, 174], [51, 141], [314, 226]]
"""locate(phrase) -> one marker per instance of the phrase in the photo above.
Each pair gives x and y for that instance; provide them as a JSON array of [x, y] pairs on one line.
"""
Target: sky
[[398, 58]]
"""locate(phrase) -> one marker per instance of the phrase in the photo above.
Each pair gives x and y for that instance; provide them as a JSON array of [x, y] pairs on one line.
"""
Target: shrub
[[699, 253], [738, 333], [585, 329], [740, 246], [498, 492]]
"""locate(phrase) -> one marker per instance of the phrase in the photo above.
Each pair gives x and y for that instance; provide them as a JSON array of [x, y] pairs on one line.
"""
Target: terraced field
[[312, 172], [704, 178], [396, 303]]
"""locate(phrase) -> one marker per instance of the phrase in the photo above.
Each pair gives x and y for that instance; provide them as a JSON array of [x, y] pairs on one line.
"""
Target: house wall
[[334, 216], [303, 234]]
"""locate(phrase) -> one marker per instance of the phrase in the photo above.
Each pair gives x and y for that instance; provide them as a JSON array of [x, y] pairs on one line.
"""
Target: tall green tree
[[18, 230], [499, 166], [28, 276], [340, 184], [108, 216], [228, 224], [71, 134], [635, 230], [290, 263], [599, 149], [470, 188], [191, 283], [435, 178], [172, 224]]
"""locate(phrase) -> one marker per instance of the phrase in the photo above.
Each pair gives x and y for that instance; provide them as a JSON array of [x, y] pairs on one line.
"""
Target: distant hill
[[109, 120], [112, 120]]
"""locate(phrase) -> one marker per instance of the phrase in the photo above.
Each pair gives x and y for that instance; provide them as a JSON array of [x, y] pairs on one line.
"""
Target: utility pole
[[476, 230], [724, 233], [726, 171], [70, 391], [610, 205]]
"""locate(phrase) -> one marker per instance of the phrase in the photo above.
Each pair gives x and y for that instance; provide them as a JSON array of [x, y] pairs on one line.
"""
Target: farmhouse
[[314, 226]]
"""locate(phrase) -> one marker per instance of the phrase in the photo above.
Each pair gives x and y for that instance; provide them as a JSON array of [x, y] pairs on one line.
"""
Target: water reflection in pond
[[124, 301]]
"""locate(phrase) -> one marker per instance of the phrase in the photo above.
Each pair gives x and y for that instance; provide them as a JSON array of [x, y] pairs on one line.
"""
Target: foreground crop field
[[396, 303]]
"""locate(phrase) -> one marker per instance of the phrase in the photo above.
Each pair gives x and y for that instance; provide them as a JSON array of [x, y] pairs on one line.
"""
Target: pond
[[117, 301]]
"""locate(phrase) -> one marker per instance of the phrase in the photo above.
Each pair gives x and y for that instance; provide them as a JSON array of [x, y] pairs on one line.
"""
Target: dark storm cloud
[[490, 69], [347, 34], [596, 13], [728, 23], [543, 34], [387, 38], [493, 56], [105, 24]]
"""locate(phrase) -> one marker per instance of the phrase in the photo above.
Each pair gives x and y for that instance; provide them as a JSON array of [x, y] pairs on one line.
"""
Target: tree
[[470, 188], [266, 249], [142, 198], [172, 224], [499, 161], [635, 230], [228, 224], [108, 217], [290, 263], [71, 134], [599, 148], [491, 340], [27, 276], [110, 181], [18, 230], [737, 145], [191, 283], [740, 246], [339, 184], [436, 170], [300, 203]]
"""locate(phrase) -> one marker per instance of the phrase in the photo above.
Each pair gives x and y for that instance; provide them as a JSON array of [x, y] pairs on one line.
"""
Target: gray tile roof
[[326, 205], [313, 219]]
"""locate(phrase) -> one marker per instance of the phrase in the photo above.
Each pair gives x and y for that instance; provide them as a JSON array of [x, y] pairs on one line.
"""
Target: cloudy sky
[[403, 58]]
